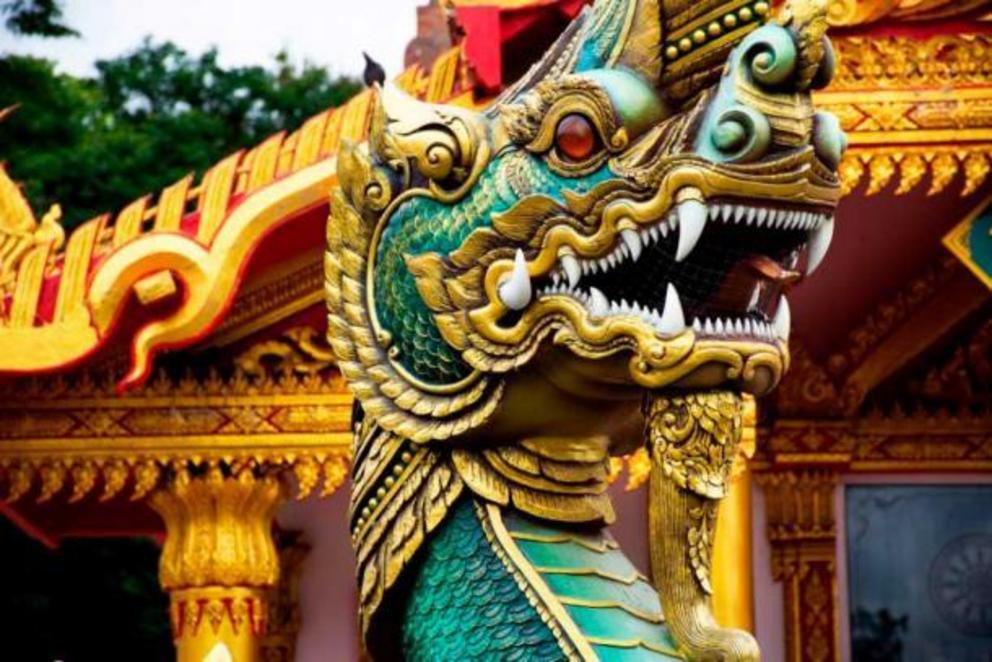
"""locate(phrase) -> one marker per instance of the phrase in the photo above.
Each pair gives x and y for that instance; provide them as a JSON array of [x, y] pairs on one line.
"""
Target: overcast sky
[[329, 33]]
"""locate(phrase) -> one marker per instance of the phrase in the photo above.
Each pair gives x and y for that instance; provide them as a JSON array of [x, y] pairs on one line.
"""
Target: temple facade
[[166, 373]]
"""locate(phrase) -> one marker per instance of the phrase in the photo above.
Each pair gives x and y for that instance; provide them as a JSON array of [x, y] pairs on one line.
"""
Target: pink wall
[[769, 610], [327, 586]]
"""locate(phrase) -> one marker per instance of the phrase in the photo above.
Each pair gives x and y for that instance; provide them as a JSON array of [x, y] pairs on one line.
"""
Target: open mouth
[[722, 266]]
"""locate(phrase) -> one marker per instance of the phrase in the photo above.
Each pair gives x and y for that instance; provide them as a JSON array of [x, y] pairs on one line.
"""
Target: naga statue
[[592, 263]]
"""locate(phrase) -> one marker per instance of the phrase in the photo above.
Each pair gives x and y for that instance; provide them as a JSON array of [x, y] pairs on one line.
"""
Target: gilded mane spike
[[807, 20]]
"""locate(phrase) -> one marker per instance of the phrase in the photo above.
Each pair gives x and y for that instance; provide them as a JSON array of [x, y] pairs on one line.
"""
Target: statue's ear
[[440, 148]]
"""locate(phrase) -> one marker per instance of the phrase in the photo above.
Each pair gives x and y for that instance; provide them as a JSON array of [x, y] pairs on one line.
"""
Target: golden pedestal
[[219, 562]]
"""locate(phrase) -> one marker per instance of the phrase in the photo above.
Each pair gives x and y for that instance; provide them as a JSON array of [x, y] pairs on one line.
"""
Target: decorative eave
[[176, 263], [914, 104], [845, 13]]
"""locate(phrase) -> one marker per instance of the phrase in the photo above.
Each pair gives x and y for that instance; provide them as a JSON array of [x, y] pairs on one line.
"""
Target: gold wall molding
[[80, 436], [900, 170], [913, 107], [899, 63], [799, 505], [858, 12]]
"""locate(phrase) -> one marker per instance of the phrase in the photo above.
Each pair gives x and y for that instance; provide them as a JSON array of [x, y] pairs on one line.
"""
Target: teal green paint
[[829, 138], [634, 654], [422, 225], [636, 103], [604, 29], [464, 604], [767, 56], [601, 622], [980, 242]]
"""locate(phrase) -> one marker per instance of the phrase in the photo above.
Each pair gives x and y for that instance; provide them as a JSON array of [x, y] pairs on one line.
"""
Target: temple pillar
[[219, 562], [733, 583], [733, 586], [803, 534]]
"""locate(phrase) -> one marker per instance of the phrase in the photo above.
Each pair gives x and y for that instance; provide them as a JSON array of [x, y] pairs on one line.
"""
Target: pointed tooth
[[728, 213], [599, 306], [696, 326], [714, 212], [708, 327], [604, 264], [654, 233], [739, 327], [515, 292], [783, 320], [719, 326], [740, 212], [819, 242], [751, 214], [753, 303], [692, 222], [762, 216], [672, 320], [633, 243], [571, 268], [748, 327]]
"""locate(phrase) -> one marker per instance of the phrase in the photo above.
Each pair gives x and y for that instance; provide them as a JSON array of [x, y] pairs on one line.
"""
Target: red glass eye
[[575, 137]]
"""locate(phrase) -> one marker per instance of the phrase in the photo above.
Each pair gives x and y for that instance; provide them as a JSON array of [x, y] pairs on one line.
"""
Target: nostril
[[828, 65], [829, 140]]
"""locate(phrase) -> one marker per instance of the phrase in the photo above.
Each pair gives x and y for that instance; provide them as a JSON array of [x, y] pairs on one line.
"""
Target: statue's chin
[[610, 379]]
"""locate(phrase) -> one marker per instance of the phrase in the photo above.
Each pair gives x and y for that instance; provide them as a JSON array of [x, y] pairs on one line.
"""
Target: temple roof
[[164, 270]]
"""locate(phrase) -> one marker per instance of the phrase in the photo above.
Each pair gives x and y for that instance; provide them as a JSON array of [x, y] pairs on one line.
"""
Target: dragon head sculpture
[[627, 216]]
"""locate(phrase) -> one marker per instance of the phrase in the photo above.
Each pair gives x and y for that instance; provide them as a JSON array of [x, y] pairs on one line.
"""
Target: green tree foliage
[[61, 604], [145, 120], [42, 18]]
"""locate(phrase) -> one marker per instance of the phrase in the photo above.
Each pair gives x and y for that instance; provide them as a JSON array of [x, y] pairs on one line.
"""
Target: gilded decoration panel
[[913, 107], [279, 404]]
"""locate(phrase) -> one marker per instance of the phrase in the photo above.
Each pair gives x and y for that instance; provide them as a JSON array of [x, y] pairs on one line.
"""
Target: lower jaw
[[753, 367]]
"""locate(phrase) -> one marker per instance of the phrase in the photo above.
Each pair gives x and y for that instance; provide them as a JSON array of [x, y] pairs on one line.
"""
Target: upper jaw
[[676, 237]]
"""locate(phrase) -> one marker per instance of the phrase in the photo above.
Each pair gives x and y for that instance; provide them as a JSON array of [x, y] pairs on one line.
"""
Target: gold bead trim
[[366, 510], [716, 28]]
